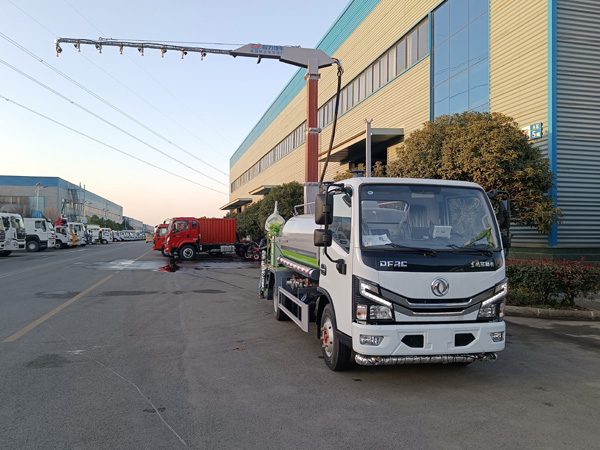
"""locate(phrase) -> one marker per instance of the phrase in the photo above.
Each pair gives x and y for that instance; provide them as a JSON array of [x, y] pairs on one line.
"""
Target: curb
[[545, 313]]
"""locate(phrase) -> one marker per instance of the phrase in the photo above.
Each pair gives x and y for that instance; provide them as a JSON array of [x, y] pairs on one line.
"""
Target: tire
[[58, 245], [33, 246], [104, 241], [187, 253], [162, 250], [336, 355]]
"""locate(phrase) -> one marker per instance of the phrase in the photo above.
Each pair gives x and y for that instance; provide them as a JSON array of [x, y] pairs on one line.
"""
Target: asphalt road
[[102, 348]]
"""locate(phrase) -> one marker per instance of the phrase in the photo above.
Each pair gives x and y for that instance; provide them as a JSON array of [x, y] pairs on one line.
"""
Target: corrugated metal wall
[[578, 121], [519, 73]]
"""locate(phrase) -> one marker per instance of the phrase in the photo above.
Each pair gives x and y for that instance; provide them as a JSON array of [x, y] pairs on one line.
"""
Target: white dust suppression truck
[[394, 271]]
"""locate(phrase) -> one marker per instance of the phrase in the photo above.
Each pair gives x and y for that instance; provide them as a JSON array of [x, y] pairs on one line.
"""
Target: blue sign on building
[[534, 131]]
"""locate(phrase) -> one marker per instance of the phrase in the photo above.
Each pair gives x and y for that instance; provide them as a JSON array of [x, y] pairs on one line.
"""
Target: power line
[[106, 102], [157, 81], [105, 144]]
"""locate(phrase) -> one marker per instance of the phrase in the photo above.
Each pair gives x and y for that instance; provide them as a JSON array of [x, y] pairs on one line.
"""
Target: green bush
[[550, 283]]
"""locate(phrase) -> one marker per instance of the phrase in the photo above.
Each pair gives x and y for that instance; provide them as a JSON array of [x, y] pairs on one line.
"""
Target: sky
[[154, 135]]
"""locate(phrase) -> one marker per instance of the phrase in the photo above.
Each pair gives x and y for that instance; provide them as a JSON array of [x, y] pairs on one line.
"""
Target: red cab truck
[[160, 235], [188, 236]]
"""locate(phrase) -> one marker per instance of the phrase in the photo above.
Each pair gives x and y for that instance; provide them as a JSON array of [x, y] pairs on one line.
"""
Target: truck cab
[[105, 235], [2, 237], [40, 234], [15, 233], [396, 271], [78, 229], [159, 237], [65, 237]]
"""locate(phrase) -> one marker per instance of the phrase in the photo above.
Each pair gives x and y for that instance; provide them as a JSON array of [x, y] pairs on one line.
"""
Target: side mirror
[[322, 238], [324, 209], [506, 242], [504, 215]]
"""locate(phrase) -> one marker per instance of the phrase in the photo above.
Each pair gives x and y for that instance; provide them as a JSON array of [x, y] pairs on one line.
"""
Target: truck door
[[338, 278]]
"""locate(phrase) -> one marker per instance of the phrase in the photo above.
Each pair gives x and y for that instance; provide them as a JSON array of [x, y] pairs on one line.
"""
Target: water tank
[[297, 240]]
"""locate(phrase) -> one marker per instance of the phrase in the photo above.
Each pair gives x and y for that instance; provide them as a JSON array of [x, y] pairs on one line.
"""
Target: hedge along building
[[406, 62]]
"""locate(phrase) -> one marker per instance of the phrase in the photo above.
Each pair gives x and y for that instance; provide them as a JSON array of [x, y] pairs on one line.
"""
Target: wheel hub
[[327, 337]]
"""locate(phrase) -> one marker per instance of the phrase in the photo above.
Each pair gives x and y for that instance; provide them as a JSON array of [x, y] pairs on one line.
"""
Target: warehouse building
[[406, 62], [53, 197]]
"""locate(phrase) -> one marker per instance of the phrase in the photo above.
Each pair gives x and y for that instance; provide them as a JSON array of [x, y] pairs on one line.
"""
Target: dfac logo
[[440, 287], [393, 264]]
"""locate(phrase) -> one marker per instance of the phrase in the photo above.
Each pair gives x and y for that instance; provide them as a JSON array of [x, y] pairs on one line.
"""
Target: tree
[[488, 149], [251, 221]]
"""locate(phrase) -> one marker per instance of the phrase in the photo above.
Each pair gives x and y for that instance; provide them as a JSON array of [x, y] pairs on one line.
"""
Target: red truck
[[160, 235], [188, 236]]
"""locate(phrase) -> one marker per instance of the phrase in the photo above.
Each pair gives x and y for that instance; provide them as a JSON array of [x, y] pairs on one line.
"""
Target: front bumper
[[428, 340]]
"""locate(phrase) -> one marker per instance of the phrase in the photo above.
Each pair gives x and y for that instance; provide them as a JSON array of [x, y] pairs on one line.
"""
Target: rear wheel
[[33, 246], [336, 354], [187, 253]]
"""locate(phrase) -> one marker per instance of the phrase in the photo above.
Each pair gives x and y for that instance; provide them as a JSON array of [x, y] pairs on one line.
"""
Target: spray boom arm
[[310, 58]]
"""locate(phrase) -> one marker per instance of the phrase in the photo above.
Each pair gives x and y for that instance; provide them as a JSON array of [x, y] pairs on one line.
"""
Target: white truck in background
[[40, 234], [94, 231], [65, 237], [15, 233], [2, 237], [105, 235], [79, 230], [394, 271]]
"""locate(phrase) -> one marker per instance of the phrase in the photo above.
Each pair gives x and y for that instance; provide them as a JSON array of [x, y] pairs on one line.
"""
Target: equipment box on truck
[[394, 271]]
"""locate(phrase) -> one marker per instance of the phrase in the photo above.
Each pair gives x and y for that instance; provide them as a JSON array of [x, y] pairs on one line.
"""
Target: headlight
[[365, 309], [493, 308], [371, 291]]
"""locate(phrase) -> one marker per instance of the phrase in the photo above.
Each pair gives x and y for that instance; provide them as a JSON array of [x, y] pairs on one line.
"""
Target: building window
[[460, 59]]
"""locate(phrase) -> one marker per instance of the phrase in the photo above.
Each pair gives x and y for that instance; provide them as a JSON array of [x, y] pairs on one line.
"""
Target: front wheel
[[187, 253], [58, 245], [33, 246], [336, 354]]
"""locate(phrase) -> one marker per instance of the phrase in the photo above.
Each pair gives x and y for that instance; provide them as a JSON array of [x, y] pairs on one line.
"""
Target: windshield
[[436, 218], [17, 223], [162, 231]]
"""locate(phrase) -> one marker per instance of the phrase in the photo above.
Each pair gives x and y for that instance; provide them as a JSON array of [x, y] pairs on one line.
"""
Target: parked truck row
[[38, 234]]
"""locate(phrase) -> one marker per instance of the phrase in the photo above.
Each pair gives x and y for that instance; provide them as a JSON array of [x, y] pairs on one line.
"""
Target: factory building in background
[[407, 62], [52, 197]]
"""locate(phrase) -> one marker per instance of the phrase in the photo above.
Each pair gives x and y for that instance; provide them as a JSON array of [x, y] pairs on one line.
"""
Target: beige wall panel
[[388, 22], [519, 60], [404, 103], [391, 19]]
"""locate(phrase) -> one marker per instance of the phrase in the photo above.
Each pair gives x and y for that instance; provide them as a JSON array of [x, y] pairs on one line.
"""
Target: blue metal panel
[[552, 8], [11, 180], [354, 14]]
